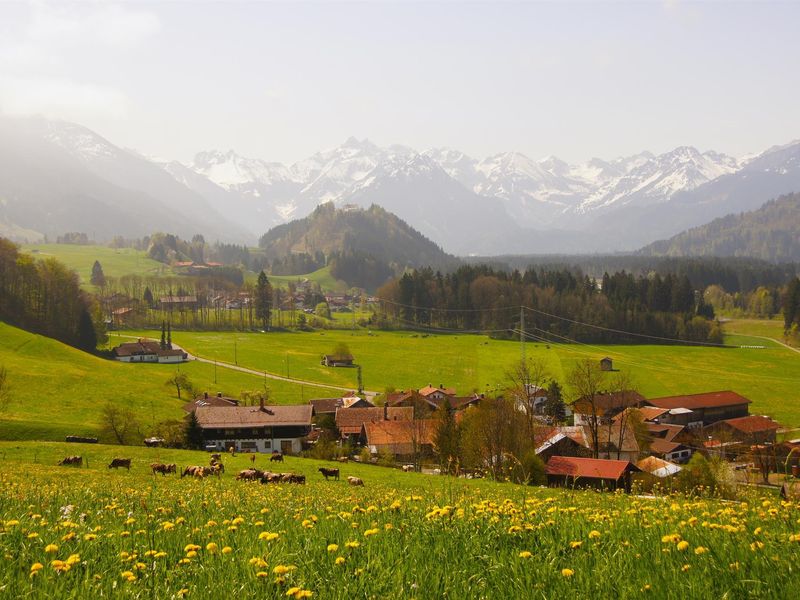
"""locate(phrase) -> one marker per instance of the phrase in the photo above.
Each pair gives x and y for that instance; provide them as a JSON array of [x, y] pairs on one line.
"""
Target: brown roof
[[662, 446], [209, 400], [663, 431], [350, 420], [325, 405], [591, 468], [399, 436], [650, 413], [611, 436], [752, 424], [608, 401], [696, 401], [428, 390], [145, 347], [253, 416]]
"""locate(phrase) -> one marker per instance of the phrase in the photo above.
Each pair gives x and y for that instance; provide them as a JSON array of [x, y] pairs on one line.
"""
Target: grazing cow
[[172, 468], [190, 471], [116, 463], [276, 457], [268, 477], [249, 475], [216, 456], [329, 473], [217, 469], [355, 480], [72, 460], [408, 468], [162, 468], [295, 478]]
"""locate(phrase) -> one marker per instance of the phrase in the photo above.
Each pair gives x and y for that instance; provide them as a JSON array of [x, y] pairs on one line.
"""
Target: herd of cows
[[216, 467]]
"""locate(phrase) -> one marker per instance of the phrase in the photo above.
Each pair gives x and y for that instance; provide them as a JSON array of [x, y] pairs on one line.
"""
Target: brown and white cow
[[116, 463]]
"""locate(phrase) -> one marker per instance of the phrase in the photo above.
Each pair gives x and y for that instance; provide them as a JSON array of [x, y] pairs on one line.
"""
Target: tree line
[[564, 304], [44, 296]]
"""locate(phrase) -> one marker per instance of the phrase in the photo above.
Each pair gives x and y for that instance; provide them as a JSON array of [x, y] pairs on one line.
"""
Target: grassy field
[[58, 390], [115, 262], [402, 360], [92, 532], [759, 327], [321, 276]]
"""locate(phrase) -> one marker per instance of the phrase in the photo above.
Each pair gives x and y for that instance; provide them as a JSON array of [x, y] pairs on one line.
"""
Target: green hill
[[116, 262], [364, 247], [770, 233], [57, 390]]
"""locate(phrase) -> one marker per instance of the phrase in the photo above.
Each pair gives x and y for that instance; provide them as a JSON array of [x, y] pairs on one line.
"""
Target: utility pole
[[522, 333], [360, 382]]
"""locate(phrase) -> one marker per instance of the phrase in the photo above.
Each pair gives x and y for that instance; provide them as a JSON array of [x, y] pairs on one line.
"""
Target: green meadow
[[116, 262], [57, 390], [768, 375], [94, 532]]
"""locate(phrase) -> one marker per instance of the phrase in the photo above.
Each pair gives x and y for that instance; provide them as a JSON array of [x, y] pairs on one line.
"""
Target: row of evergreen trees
[[560, 304]]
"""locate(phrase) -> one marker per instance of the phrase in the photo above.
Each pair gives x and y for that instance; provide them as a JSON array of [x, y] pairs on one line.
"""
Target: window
[[230, 432]]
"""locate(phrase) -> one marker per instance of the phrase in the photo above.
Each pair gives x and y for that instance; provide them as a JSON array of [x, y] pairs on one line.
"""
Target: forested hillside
[[770, 233], [45, 297], [363, 247]]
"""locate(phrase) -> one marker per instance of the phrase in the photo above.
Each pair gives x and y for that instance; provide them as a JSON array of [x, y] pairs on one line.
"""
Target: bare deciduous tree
[[586, 383]]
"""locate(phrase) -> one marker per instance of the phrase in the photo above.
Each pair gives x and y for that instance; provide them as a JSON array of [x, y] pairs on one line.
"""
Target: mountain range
[[506, 203]]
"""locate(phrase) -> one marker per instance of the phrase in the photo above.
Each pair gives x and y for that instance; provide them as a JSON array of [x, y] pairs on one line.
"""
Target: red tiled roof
[[664, 431], [400, 435], [695, 401], [252, 416], [350, 420], [592, 468], [752, 424], [661, 446]]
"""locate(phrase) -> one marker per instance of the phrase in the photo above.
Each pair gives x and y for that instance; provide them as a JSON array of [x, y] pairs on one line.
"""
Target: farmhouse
[[753, 429], [405, 440], [330, 360], [569, 471], [561, 441], [255, 428], [148, 351], [658, 467], [697, 410], [350, 420]]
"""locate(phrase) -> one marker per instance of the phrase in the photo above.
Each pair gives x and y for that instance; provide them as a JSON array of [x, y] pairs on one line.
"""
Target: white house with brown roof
[[255, 428], [148, 351]]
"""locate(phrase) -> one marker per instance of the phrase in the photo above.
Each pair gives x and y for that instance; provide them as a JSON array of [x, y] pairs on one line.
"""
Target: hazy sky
[[282, 80]]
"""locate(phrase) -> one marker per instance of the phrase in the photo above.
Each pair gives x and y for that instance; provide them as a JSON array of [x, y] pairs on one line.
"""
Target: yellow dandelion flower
[[283, 569], [211, 547], [575, 545], [182, 592], [33, 535], [700, 550], [36, 567], [268, 536], [50, 548], [683, 545], [525, 554], [262, 574], [191, 554], [333, 547], [370, 532], [292, 591], [594, 534], [685, 568], [227, 550], [339, 560], [353, 544], [567, 572]]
